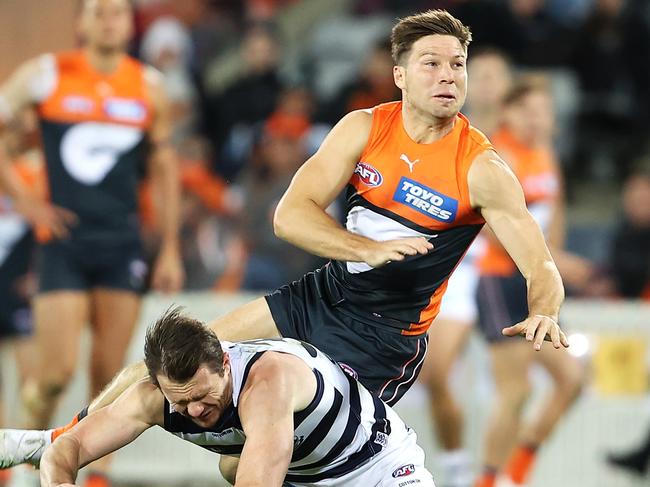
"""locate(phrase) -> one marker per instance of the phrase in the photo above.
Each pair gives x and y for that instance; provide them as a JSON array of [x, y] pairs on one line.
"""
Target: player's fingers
[[555, 335], [540, 334], [531, 327], [564, 340], [514, 330], [66, 215]]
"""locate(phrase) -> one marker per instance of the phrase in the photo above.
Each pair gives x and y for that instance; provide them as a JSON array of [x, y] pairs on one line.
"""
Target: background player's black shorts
[[385, 362], [15, 312], [70, 265], [502, 301]]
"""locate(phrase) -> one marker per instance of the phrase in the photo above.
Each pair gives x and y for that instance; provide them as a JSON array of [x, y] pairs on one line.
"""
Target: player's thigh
[[59, 317], [115, 314], [447, 338], [404, 466], [510, 362], [228, 467], [251, 321]]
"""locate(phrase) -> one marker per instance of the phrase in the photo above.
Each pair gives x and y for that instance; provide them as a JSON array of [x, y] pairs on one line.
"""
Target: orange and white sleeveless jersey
[[537, 172], [404, 189], [94, 129]]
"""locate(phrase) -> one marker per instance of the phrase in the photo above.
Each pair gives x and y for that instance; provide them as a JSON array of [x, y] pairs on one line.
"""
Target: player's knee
[[515, 396], [572, 382], [228, 468]]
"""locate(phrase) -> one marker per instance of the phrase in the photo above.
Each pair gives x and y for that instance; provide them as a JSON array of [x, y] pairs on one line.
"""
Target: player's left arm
[[266, 409], [496, 193], [168, 274]]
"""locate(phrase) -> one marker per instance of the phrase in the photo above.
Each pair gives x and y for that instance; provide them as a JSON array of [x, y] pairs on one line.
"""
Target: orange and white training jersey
[[537, 172], [94, 129], [404, 189]]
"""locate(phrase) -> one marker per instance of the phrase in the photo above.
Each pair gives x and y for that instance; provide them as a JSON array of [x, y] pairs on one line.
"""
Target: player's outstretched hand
[[381, 253], [538, 328]]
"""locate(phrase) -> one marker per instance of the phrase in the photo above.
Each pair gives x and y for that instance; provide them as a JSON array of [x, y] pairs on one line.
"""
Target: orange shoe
[[96, 479], [520, 464]]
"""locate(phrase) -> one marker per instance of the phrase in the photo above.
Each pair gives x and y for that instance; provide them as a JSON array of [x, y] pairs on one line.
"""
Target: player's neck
[[104, 61], [423, 128]]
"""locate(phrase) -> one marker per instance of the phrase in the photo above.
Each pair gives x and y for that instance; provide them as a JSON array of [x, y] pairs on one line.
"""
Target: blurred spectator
[[611, 58], [373, 86], [167, 46], [247, 101], [630, 253], [522, 28], [268, 262]]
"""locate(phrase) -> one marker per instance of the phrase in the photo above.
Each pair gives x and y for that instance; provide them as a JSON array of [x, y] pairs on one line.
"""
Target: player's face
[[489, 81], [433, 78], [107, 24], [532, 118], [203, 398]]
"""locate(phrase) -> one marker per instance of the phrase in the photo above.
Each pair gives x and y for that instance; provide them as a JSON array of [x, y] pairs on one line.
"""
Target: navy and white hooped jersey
[[343, 427]]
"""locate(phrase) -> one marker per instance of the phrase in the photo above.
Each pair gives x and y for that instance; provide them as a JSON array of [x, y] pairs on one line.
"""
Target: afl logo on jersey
[[368, 174], [426, 200], [125, 109], [404, 470]]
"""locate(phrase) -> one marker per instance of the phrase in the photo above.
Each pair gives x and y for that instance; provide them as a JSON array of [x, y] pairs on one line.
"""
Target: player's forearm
[[262, 467], [309, 227], [545, 289], [168, 190], [60, 462]]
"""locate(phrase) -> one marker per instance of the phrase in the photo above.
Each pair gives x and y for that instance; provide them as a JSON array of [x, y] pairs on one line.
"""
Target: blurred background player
[[510, 446], [489, 79], [102, 114]]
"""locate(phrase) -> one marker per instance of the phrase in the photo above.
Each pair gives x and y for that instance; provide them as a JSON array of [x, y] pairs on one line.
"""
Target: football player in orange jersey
[[103, 116], [421, 183]]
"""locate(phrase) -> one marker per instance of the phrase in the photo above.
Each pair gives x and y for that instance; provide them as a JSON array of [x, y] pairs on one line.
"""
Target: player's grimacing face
[[433, 76], [107, 24], [203, 398]]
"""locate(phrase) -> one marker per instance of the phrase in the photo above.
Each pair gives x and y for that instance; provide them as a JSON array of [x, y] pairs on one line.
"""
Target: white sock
[[455, 468]]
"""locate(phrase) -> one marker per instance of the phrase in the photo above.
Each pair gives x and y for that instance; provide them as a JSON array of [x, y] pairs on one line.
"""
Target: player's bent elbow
[[281, 223]]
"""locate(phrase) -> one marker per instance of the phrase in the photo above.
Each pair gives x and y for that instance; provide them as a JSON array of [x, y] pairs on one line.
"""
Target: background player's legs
[[114, 316], [510, 364], [568, 376], [446, 342], [59, 317]]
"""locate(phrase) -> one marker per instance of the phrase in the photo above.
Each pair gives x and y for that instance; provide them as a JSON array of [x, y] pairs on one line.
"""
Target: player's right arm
[[99, 434], [301, 217], [20, 92]]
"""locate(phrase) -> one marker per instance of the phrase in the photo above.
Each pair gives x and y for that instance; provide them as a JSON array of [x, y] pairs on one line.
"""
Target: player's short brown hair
[[411, 28], [176, 346]]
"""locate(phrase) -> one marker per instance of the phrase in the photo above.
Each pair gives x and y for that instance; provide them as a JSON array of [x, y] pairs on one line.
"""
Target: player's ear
[[399, 75]]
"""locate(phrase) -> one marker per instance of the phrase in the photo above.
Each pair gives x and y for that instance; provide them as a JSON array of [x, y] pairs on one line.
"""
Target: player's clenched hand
[[54, 218], [538, 328], [168, 274], [380, 253]]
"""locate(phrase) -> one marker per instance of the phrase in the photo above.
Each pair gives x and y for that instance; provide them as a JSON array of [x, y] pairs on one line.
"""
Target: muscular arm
[[111, 428], [496, 193], [277, 386], [167, 273], [301, 219]]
